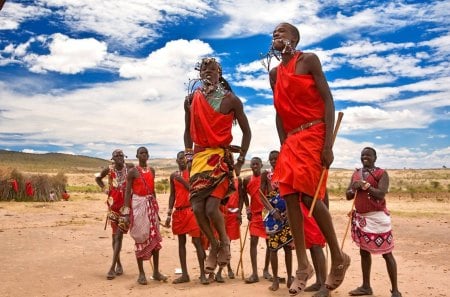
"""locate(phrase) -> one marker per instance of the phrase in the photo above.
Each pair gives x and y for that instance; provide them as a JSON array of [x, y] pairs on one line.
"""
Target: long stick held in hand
[[349, 220], [324, 170]]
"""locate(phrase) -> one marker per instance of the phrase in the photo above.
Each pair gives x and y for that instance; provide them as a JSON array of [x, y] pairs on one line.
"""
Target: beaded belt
[[304, 126]]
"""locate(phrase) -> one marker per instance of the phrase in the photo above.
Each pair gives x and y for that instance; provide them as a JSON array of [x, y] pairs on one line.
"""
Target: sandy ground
[[61, 249]]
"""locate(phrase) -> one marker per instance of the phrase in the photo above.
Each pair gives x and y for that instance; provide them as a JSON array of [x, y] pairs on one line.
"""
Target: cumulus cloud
[[67, 55]]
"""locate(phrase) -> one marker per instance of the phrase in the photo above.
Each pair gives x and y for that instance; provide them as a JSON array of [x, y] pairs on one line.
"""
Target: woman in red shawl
[[305, 121]]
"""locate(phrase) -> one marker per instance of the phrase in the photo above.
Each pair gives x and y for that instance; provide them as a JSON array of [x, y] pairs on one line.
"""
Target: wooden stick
[[242, 251], [324, 170], [349, 220]]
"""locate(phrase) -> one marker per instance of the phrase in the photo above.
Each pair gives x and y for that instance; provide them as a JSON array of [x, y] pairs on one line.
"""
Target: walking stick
[[241, 263], [349, 220], [324, 170]]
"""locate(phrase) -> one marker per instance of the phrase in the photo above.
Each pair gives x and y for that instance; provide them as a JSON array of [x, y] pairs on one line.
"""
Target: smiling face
[[368, 158], [210, 71], [273, 157], [256, 165], [285, 33]]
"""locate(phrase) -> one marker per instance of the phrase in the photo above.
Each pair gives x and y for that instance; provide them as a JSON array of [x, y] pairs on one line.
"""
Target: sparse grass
[[80, 170]]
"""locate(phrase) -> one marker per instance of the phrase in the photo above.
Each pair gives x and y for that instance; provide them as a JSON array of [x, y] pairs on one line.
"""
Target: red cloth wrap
[[183, 218], [313, 235], [141, 187], [297, 101], [232, 224], [256, 227], [209, 128]]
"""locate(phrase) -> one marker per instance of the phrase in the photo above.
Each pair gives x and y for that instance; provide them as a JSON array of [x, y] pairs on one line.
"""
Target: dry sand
[[61, 249]]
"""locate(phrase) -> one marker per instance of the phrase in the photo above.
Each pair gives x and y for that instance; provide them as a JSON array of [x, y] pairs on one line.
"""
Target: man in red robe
[[183, 220], [305, 121], [117, 176], [209, 114]]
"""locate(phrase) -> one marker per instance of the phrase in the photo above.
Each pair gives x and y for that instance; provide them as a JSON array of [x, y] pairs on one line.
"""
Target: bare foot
[[275, 284], [219, 278], [159, 277], [111, 274], [313, 288], [252, 279], [204, 280], [142, 280], [181, 279]]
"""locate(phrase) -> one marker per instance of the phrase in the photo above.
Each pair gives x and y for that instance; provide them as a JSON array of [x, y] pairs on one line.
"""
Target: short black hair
[[295, 31], [371, 149]]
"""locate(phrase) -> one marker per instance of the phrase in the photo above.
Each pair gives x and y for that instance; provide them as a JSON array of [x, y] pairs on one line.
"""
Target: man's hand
[[327, 157], [167, 223], [237, 168]]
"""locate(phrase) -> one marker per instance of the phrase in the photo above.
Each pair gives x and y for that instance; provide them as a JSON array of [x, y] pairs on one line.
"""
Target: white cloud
[[13, 14], [138, 20], [67, 55]]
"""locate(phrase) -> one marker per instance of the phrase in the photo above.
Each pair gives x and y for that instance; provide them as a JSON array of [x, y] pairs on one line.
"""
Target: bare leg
[[339, 260], [267, 261], [158, 276], [182, 255], [288, 261], [118, 248], [116, 245], [366, 264], [199, 208], [201, 259], [295, 218], [392, 271], [253, 278], [304, 270], [319, 262], [141, 279], [274, 262], [216, 217]]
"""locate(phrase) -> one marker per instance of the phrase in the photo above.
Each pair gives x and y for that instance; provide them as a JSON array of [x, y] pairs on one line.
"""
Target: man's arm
[[187, 124], [246, 132], [171, 200], [314, 67], [100, 177]]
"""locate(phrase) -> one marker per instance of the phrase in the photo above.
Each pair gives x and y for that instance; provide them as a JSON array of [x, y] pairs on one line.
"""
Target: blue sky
[[88, 76]]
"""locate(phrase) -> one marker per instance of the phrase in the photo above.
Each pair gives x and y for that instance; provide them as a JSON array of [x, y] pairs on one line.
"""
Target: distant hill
[[58, 162], [50, 162]]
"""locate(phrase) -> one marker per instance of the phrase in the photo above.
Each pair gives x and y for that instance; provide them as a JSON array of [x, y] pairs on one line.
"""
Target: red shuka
[[209, 128], [297, 101]]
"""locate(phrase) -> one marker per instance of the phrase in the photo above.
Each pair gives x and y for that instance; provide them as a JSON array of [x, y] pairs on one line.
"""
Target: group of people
[[207, 194]]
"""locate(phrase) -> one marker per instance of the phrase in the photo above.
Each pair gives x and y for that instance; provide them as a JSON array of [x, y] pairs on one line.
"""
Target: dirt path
[[61, 249]]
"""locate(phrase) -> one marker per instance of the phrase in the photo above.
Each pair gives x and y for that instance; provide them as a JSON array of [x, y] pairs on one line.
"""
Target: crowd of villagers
[[17, 186]]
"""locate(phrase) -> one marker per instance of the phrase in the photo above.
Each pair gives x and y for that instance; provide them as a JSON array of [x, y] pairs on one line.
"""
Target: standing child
[[252, 186], [141, 210], [183, 220]]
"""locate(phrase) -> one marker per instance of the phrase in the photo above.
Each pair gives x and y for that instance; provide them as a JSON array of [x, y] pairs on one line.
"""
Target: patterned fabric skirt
[[144, 228], [280, 239], [372, 232], [211, 174]]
